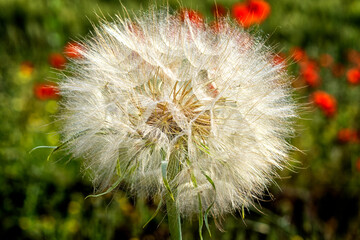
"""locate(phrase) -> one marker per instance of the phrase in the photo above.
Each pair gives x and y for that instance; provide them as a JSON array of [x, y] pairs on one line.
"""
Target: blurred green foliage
[[319, 199]]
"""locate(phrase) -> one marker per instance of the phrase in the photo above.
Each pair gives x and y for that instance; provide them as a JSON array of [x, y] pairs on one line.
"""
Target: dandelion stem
[[173, 218], [172, 210]]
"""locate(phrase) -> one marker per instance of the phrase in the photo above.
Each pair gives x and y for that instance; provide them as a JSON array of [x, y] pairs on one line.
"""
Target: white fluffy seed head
[[161, 88]]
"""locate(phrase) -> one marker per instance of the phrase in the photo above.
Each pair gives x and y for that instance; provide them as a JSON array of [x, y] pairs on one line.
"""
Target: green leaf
[[201, 219], [41, 147], [202, 147], [209, 180], [155, 213], [192, 176], [75, 136], [206, 218], [108, 190], [53, 151], [164, 165], [55, 148], [118, 167], [211, 205]]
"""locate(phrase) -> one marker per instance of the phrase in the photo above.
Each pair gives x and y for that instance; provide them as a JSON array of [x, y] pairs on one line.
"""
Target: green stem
[[173, 218]]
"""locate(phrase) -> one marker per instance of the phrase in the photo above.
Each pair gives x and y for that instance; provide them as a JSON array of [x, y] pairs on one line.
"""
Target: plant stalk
[[172, 210], [173, 218]]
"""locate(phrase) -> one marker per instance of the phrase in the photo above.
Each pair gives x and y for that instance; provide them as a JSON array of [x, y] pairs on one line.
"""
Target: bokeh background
[[317, 199]]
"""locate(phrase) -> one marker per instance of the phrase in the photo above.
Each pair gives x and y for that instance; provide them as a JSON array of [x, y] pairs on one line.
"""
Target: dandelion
[[197, 117], [280, 59]]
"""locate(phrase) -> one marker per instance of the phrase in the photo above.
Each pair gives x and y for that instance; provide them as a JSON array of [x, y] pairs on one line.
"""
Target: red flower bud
[[326, 102], [57, 60], [46, 91]]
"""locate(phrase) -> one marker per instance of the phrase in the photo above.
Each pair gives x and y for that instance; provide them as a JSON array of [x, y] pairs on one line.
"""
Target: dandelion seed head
[[161, 87]]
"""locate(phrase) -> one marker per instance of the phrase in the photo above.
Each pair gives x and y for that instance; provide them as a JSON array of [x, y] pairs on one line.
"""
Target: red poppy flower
[[57, 60], [259, 8], [73, 50], [46, 91], [241, 13], [348, 135], [251, 12], [326, 102], [309, 72], [194, 17], [298, 54], [353, 75], [218, 10]]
